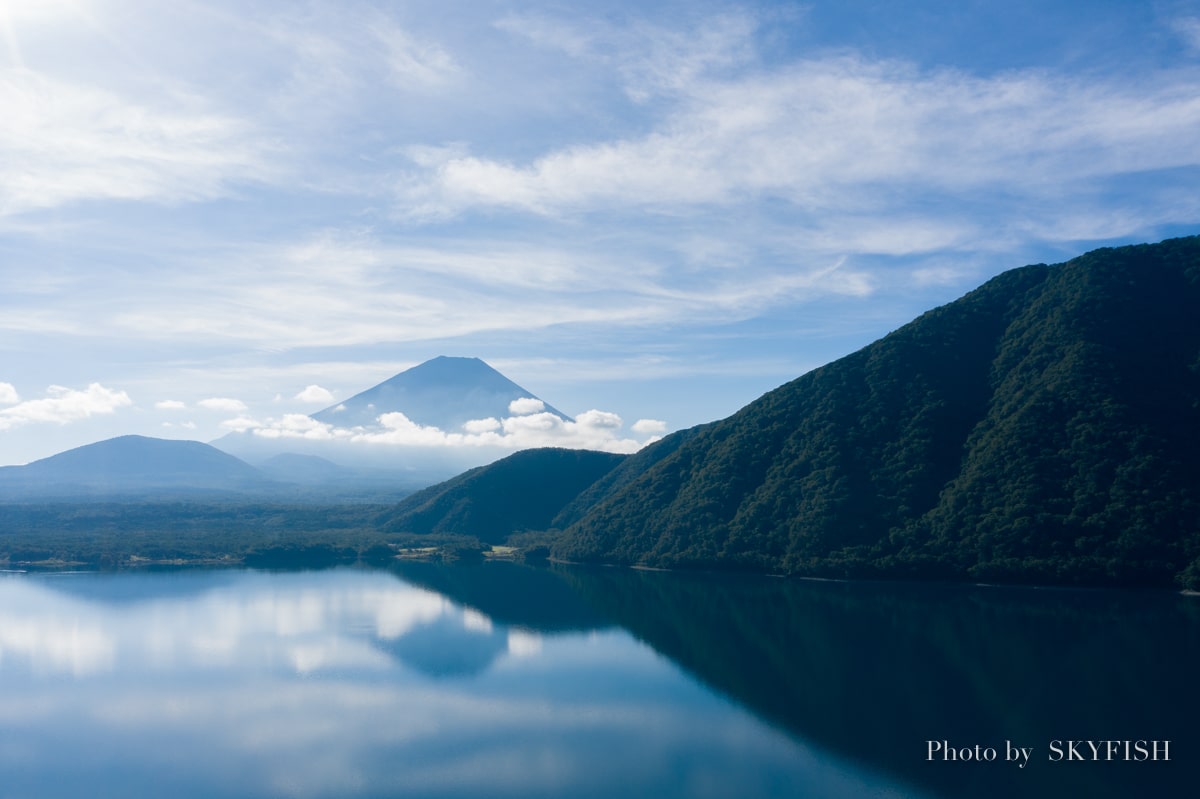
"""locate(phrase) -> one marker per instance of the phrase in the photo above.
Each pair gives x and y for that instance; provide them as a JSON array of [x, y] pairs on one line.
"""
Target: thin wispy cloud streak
[[64, 144], [842, 135]]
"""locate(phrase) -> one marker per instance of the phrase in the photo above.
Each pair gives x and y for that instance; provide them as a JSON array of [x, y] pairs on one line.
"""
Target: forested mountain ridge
[[1042, 428], [523, 492]]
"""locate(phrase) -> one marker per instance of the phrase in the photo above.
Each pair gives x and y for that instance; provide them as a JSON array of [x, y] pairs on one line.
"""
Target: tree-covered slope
[[524, 491], [1040, 428], [625, 471]]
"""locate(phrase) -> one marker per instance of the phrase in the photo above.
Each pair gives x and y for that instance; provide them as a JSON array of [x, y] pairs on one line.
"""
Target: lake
[[497, 680]]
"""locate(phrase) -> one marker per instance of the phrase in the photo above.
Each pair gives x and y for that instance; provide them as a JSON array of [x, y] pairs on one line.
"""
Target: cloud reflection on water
[[285, 624], [351, 683]]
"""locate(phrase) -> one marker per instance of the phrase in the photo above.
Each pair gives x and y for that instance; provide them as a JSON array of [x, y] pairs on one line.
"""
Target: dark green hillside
[[626, 471], [524, 491], [1041, 428]]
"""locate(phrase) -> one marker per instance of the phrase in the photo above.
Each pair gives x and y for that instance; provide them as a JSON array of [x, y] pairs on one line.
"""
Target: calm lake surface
[[503, 681]]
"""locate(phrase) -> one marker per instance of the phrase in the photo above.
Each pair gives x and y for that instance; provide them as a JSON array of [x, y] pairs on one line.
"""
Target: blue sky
[[219, 215]]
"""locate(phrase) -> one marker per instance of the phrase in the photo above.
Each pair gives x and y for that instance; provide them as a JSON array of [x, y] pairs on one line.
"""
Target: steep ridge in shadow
[[1040, 429]]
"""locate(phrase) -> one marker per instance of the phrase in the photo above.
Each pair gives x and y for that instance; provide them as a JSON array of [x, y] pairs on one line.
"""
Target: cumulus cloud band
[[64, 405], [592, 429]]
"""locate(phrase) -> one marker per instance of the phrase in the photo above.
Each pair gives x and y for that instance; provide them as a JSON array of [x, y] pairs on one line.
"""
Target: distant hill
[[1043, 428], [443, 392], [524, 491], [293, 467], [130, 465]]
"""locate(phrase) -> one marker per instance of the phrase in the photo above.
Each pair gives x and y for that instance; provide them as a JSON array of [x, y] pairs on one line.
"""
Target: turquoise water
[[496, 680]]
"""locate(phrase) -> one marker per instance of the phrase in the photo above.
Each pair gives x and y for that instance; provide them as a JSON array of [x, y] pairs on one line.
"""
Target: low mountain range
[[1040, 429], [137, 468], [131, 465], [442, 392]]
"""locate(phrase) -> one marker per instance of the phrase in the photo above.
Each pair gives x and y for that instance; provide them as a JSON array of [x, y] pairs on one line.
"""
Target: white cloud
[[477, 426], [66, 142], [242, 424], [295, 425], [399, 429], [65, 405], [170, 405], [315, 394], [8, 394], [533, 424], [846, 134], [524, 405], [649, 426], [224, 404], [592, 429], [599, 420]]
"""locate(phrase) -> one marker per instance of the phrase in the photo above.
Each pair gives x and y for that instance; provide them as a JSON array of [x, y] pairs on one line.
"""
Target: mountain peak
[[443, 392]]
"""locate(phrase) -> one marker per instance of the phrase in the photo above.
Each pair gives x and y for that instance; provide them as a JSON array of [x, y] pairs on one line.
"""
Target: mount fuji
[[443, 392]]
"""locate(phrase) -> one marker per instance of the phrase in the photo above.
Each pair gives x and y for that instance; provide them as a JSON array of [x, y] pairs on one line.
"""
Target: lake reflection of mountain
[[874, 671], [500, 680], [445, 647]]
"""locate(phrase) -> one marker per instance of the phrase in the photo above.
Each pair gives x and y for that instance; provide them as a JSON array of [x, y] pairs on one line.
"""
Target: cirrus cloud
[[831, 134], [66, 142]]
